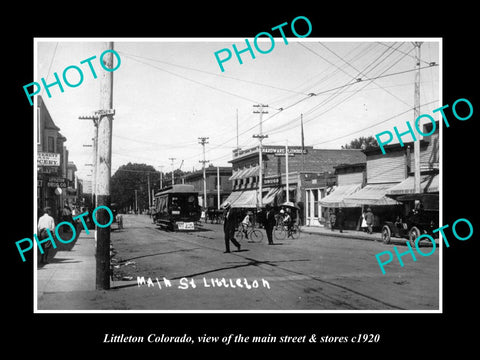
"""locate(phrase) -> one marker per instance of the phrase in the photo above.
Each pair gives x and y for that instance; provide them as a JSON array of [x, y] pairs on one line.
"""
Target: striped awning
[[248, 199], [372, 194], [336, 198], [428, 184], [231, 198], [244, 173], [271, 196]]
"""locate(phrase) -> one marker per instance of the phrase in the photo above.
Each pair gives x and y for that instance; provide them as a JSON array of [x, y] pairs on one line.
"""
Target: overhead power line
[[195, 81], [221, 75]]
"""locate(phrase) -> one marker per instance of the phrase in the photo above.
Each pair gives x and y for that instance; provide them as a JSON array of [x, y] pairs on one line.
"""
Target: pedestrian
[[332, 219], [369, 220], [340, 219], [229, 226], [45, 222], [287, 221], [269, 224], [363, 225], [67, 216]]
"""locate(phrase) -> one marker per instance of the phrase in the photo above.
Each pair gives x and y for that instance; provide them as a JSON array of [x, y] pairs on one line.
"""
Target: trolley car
[[176, 208]]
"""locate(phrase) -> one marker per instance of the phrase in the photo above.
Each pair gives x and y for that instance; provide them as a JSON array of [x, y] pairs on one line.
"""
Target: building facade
[[309, 178], [52, 164], [214, 176], [390, 176]]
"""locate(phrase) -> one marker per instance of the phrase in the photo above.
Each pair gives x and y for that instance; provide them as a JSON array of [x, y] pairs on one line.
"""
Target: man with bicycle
[[288, 222], [246, 223]]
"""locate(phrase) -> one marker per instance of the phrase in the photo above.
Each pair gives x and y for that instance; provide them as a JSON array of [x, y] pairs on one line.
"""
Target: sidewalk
[[350, 234], [70, 268]]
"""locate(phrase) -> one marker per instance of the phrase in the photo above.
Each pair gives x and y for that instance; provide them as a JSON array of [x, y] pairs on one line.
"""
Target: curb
[[342, 235]]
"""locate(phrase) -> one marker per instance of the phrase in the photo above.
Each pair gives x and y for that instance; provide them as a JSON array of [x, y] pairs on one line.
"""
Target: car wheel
[[386, 235], [413, 234]]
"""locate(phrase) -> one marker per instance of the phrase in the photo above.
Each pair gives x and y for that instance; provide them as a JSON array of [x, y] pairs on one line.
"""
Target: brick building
[[310, 177]]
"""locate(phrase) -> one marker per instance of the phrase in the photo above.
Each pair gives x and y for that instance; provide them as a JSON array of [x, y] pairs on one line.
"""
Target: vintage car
[[418, 222]]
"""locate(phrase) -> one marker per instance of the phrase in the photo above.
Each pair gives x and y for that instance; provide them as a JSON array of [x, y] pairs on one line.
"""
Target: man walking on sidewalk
[[45, 222]]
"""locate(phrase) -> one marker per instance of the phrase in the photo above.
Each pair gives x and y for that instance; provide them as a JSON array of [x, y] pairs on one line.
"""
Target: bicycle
[[282, 232], [254, 235]]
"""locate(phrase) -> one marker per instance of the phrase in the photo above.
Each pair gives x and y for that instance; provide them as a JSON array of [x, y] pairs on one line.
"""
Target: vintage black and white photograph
[[269, 174]]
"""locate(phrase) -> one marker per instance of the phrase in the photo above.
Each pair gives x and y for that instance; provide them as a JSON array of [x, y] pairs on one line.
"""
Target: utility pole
[[416, 114], [303, 143], [136, 202], [161, 175], [218, 188], [260, 137], [286, 171], [148, 185], [104, 161], [238, 145], [203, 141], [173, 177]]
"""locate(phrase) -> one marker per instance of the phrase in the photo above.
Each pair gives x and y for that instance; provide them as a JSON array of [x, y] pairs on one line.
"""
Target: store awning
[[237, 174], [336, 198], [271, 196], [248, 199], [428, 184], [231, 198], [373, 194], [253, 171], [244, 173]]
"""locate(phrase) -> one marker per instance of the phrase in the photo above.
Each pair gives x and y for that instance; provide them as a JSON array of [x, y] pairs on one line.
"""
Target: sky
[[168, 92]]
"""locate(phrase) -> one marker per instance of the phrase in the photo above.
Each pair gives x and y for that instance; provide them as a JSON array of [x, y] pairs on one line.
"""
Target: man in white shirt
[[45, 222], [245, 224]]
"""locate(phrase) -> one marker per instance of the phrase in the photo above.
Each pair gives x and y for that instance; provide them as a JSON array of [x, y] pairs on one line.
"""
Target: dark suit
[[269, 225], [229, 227]]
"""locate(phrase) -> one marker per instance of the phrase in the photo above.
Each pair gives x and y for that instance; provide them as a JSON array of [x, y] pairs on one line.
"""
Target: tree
[[129, 178], [370, 143]]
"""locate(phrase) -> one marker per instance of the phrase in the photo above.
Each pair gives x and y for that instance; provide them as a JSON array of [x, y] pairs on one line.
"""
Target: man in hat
[[45, 222], [369, 220], [229, 226], [270, 222]]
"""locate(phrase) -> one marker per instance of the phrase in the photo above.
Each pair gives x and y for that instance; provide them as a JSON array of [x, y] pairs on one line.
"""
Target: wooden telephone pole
[[103, 173], [203, 141], [416, 111], [260, 137]]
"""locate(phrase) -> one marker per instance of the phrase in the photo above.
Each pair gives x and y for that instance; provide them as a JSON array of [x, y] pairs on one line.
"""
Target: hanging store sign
[[57, 182], [48, 159], [272, 181], [47, 170]]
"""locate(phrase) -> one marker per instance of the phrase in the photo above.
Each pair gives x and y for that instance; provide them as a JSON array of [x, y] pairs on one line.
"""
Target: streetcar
[[176, 208]]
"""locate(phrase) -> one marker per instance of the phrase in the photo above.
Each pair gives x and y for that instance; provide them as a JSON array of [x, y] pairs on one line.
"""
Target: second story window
[[51, 144]]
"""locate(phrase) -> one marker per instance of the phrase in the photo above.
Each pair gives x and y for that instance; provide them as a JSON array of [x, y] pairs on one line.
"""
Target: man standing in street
[[269, 223], [229, 226], [45, 222]]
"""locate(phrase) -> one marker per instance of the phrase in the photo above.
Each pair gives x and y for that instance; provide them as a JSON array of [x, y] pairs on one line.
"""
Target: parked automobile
[[417, 222]]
